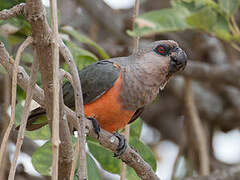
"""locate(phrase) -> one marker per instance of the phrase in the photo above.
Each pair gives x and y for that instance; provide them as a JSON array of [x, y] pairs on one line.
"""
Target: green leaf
[[83, 39], [203, 19], [39, 134], [164, 20], [81, 56], [229, 6], [135, 128], [131, 174], [144, 151], [15, 39], [221, 29], [105, 157], [92, 169], [42, 159], [27, 57]]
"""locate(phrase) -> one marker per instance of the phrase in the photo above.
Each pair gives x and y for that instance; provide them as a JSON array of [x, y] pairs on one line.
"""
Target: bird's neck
[[140, 86]]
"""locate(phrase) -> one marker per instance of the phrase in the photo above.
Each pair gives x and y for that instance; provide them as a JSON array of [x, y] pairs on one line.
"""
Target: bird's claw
[[122, 144], [96, 125]]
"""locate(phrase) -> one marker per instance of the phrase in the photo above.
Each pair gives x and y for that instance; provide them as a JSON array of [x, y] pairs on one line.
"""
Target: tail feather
[[36, 119]]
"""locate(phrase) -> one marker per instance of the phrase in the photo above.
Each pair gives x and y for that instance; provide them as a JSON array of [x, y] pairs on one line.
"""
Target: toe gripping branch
[[122, 141], [96, 125], [122, 144]]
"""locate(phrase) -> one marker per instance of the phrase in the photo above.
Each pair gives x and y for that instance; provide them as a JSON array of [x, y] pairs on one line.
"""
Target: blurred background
[[192, 127]]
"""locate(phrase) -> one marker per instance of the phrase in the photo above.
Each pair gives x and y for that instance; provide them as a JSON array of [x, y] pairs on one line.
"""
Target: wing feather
[[96, 79]]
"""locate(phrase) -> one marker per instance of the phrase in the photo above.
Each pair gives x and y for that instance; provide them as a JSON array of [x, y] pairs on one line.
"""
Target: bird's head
[[163, 59]]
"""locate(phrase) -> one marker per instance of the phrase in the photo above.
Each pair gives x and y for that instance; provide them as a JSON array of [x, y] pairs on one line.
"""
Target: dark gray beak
[[178, 61]]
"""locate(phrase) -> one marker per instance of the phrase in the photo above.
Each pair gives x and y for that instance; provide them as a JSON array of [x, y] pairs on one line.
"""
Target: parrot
[[115, 91]]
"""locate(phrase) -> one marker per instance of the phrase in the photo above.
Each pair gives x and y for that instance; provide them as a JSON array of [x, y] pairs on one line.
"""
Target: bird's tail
[[36, 119]]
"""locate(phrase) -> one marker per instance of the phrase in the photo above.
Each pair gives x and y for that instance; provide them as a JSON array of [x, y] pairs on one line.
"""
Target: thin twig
[[66, 147], [68, 76], [14, 90], [75, 158], [197, 129], [135, 47], [56, 87], [65, 74], [235, 46], [107, 140], [14, 11], [79, 109], [25, 114], [234, 24]]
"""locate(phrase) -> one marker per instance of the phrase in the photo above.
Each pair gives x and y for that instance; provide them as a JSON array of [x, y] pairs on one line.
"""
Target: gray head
[[160, 60], [166, 53]]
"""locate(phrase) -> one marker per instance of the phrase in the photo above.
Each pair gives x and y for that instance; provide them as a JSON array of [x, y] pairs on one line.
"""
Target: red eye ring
[[161, 49]]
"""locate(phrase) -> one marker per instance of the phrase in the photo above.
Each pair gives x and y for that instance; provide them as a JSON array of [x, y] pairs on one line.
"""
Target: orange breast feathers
[[107, 109]]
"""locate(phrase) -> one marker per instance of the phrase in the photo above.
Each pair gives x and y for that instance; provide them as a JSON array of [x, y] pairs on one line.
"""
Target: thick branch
[[130, 157], [14, 11], [36, 16], [226, 73]]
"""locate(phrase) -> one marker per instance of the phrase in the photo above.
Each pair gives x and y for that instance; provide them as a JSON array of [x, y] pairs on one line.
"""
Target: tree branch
[[56, 89], [66, 147], [79, 109], [14, 91], [225, 73], [198, 130], [25, 114], [14, 11]]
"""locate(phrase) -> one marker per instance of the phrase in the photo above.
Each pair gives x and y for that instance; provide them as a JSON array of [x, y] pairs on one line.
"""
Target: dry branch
[[14, 11], [26, 109], [227, 74], [66, 147], [56, 87], [14, 91], [106, 139], [198, 130], [79, 109]]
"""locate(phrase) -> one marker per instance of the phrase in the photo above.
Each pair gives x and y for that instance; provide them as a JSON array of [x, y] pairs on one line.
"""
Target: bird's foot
[[122, 144], [96, 125]]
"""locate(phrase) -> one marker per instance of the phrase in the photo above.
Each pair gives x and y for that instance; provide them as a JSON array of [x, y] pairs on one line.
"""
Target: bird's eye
[[161, 50]]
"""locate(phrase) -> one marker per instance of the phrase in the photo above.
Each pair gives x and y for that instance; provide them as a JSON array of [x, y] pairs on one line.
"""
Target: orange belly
[[107, 109]]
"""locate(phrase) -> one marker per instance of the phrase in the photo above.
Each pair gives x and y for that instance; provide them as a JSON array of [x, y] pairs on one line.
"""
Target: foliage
[[215, 18]]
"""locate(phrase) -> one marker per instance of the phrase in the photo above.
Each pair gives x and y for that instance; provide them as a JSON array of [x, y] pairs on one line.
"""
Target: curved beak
[[178, 61]]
